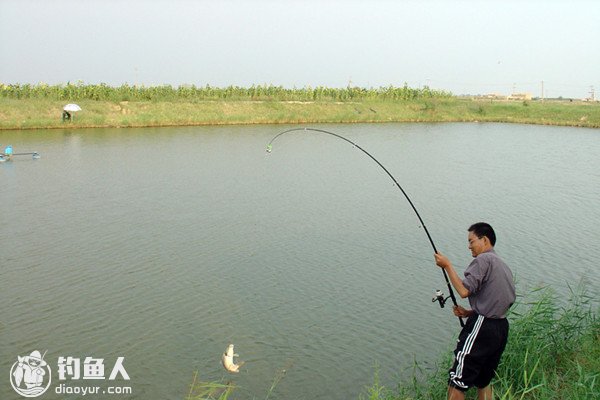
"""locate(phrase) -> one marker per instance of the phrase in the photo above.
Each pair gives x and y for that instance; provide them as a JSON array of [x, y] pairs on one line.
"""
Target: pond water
[[164, 245]]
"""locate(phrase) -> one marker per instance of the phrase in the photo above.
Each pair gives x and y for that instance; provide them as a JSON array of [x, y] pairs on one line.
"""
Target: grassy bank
[[39, 107], [553, 353], [43, 113]]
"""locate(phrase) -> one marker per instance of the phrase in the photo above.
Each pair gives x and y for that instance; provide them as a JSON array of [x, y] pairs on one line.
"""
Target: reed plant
[[553, 353], [213, 390], [206, 390]]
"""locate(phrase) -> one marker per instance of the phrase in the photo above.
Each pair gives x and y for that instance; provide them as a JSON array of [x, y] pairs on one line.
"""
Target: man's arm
[[443, 262]]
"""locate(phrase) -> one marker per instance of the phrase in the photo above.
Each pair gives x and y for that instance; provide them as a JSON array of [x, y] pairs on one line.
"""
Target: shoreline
[[30, 114]]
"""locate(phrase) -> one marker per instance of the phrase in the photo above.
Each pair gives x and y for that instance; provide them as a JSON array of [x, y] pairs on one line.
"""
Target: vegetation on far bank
[[40, 106], [191, 93]]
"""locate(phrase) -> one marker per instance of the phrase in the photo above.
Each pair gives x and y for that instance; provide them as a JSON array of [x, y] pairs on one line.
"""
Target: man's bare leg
[[455, 394], [484, 393]]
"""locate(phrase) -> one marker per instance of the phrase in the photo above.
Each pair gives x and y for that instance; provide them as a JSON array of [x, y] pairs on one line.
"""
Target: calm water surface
[[165, 245]]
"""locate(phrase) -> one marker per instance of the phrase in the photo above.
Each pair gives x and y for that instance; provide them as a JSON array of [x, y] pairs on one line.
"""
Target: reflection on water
[[165, 245]]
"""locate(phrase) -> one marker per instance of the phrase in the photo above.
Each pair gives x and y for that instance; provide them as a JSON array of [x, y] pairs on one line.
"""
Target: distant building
[[494, 96], [520, 96], [502, 97]]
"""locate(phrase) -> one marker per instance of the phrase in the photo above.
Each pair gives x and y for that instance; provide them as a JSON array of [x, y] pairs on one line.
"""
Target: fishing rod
[[439, 296], [34, 154]]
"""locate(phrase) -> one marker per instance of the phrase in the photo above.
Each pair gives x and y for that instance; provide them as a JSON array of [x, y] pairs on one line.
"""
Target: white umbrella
[[72, 107]]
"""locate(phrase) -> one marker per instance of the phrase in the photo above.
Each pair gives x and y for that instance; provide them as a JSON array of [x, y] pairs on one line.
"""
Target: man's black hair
[[482, 229]]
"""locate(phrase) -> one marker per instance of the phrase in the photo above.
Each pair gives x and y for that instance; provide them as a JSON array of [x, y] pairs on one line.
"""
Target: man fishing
[[490, 287]]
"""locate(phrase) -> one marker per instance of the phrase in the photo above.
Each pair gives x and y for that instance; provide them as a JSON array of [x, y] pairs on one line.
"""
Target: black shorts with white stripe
[[480, 346]]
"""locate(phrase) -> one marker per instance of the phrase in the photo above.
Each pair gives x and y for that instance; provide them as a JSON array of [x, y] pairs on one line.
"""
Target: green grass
[[44, 113], [207, 390], [200, 390], [553, 353]]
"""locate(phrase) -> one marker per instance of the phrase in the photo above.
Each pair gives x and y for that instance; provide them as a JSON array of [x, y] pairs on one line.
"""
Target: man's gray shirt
[[490, 284]]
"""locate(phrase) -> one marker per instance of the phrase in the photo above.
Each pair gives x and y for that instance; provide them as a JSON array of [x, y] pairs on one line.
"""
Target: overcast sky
[[466, 47]]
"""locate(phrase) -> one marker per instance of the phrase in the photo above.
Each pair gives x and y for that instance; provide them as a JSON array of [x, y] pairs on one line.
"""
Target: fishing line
[[439, 297]]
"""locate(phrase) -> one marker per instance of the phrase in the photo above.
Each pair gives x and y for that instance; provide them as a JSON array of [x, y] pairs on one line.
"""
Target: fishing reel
[[439, 297]]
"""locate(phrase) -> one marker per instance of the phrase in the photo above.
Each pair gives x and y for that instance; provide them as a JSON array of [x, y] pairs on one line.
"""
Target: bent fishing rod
[[439, 296]]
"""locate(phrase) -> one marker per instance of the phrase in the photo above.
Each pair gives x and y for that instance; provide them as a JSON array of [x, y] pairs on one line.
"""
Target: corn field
[[187, 93]]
